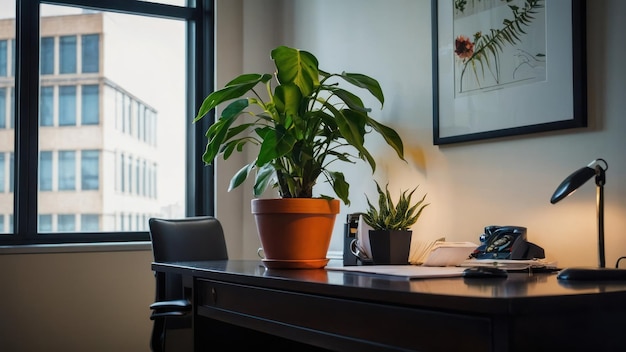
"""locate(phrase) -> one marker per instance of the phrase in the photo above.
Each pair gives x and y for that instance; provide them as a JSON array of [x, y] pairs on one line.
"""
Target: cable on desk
[[618, 260]]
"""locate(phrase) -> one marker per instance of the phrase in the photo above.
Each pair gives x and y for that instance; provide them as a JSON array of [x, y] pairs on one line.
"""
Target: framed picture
[[507, 67]]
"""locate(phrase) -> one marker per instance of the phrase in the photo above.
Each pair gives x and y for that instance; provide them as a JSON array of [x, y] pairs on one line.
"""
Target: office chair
[[186, 239]]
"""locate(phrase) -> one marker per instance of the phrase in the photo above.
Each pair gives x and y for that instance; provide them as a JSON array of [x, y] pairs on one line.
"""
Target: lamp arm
[[600, 181]]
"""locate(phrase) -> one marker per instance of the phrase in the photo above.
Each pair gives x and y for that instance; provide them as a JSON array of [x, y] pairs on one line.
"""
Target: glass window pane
[[46, 106], [45, 171], [89, 222], [67, 52], [4, 55], [91, 53], [3, 107], [3, 177], [47, 56], [90, 170], [90, 109], [67, 170], [66, 222], [118, 119], [67, 105], [45, 223]]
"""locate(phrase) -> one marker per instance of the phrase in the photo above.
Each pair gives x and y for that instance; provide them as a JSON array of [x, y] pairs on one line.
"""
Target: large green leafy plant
[[302, 128], [393, 216]]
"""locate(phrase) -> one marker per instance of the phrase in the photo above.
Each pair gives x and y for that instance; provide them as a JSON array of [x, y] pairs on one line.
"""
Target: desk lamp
[[598, 169]]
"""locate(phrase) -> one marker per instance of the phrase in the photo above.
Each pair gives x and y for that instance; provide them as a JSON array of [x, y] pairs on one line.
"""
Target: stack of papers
[[406, 271], [441, 253]]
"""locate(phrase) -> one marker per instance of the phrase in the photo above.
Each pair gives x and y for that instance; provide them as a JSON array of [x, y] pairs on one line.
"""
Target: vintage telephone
[[506, 242]]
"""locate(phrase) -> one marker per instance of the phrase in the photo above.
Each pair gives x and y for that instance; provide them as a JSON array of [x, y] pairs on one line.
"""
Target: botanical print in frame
[[507, 67]]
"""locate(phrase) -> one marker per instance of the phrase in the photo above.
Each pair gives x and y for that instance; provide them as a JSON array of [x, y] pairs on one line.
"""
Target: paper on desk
[[407, 271]]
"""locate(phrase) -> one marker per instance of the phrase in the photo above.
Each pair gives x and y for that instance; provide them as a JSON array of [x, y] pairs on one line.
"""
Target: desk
[[249, 305]]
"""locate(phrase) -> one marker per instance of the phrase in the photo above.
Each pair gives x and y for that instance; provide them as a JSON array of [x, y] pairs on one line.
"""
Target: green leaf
[[263, 178], [340, 186], [240, 176], [390, 135], [234, 89], [367, 82], [298, 67], [287, 99], [217, 133]]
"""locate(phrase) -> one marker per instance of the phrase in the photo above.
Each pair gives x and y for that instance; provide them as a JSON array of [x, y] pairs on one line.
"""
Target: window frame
[[199, 15]]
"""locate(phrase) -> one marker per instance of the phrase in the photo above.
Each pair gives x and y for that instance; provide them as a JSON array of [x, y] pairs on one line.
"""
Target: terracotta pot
[[295, 232], [390, 246]]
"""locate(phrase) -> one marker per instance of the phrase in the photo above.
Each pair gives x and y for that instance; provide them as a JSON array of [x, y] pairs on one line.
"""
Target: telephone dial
[[506, 242]]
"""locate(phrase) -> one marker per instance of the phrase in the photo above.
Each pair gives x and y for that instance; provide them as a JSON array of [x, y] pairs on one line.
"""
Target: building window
[[3, 58], [67, 105], [90, 109], [47, 56], [2, 173], [11, 171], [67, 54], [66, 222], [11, 107], [91, 53], [3, 108], [90, 170], [67, 170], [89, 222], [45, 223], [46, 106], [45, 171]]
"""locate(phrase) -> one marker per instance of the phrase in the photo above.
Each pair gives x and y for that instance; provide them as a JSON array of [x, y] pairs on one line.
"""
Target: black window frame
[[199, 191]]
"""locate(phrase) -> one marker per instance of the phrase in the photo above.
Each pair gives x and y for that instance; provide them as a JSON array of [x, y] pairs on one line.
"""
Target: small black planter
[[390, 246]]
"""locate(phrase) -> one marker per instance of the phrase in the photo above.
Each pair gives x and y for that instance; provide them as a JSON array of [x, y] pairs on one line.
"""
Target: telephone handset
[[506, 242]]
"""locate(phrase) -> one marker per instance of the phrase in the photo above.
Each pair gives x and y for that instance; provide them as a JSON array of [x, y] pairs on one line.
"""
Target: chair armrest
[[178, 304], [155, 315]]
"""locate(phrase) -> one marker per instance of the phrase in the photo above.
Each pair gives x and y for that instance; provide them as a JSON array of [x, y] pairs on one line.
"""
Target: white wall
[[98, 301], [507, 181]]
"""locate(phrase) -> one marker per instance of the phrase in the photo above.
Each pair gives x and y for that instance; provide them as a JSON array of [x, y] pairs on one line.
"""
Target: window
[[3, 58], [2, 174], [119, 119], [3, 107], [67, 105], [45, 223], [90, 170], [89, 222], [46, 106], [47, 55], [67, 171], [67, 50], [45, 171], [91, 53], [90, 109], [66, 222]]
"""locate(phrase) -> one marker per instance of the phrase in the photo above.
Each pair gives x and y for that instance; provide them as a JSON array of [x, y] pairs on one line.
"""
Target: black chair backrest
[[187, 239]]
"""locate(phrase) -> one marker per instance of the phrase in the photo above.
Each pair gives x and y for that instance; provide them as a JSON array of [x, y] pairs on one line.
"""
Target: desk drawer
[[329, 322]]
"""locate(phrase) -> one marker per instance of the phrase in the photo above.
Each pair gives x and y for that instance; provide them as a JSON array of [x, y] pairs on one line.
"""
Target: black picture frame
[[526, 106]]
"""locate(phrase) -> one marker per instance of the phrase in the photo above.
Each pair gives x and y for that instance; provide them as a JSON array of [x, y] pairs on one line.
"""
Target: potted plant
[[303, 123], [390, 237]]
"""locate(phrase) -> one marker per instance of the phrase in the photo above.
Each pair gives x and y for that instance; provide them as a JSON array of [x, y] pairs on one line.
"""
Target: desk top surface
[[518, 290]]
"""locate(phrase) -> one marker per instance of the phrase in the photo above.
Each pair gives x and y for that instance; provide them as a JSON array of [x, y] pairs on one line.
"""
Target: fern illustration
[[484, 52]]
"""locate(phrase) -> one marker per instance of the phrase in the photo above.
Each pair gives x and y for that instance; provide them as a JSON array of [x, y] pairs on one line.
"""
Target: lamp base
[[592, 274]]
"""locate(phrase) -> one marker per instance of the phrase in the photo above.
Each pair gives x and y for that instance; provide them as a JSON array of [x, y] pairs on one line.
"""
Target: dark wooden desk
[[242, 304]]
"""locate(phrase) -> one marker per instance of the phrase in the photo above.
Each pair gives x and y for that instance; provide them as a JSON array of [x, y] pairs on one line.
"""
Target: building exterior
[[98, 158]]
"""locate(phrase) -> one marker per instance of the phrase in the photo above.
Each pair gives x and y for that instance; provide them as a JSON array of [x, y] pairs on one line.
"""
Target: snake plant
[[390, 216]]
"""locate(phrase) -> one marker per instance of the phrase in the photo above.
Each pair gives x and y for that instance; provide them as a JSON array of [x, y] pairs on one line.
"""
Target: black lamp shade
[[572, 182]]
